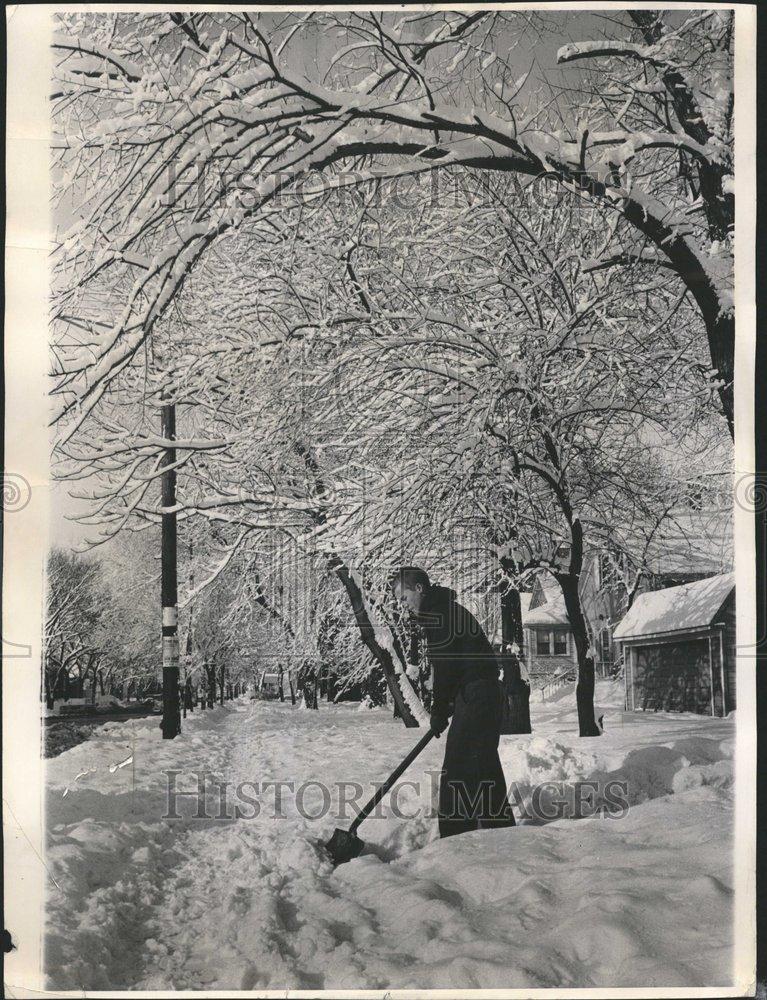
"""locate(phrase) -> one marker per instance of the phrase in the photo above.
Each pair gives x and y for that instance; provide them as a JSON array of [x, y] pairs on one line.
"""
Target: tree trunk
[[310, 689], [48, 689], [210, 677], [307, 682], [281, 683], [584, 689], [292, 688], [315, 690], [186, 700], [367, 633], [516, 706], [221, 683], [94, 678], [330, 684]]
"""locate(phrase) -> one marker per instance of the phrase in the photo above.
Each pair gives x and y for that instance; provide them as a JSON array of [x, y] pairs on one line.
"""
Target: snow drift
[[137, 901]]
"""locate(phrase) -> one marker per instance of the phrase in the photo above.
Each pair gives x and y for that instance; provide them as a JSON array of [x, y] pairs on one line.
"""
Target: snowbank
[[229, 903]]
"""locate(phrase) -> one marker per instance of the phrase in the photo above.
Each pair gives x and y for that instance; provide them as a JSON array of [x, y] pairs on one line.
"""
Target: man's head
[[411, 585]]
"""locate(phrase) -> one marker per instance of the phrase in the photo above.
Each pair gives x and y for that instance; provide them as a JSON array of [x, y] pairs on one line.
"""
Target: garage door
[[673, 677]]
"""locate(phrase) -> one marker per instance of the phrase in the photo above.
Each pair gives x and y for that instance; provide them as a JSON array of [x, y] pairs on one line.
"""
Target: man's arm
[[445, 680]]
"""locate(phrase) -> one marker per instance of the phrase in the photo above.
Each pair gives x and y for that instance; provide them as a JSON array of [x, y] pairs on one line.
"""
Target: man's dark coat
[[465, 685]]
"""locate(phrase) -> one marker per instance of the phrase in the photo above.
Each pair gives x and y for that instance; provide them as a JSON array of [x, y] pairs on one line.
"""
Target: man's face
[[411, 597]]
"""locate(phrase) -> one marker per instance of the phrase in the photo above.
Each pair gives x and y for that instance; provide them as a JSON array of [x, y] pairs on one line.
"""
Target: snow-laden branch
[[83, 46], [574, 51], [247, 108], [229, 553]]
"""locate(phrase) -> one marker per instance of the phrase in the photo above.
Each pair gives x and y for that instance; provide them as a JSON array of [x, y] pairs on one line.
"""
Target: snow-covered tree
[[101, 620], [74, 609], [275, 319], [520, 408], [175, 129]]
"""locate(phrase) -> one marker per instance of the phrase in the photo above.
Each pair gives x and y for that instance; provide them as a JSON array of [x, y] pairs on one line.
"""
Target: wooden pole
[[188, 661], [171, 715]]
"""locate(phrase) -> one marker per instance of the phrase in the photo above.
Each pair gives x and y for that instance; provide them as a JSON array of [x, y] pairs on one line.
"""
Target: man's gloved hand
[[438, 723]]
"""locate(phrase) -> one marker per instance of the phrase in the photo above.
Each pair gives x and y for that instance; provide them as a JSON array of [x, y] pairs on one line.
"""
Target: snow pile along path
[[146, 902]]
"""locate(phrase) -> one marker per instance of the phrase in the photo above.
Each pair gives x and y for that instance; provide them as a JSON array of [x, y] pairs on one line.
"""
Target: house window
[[550, 643]]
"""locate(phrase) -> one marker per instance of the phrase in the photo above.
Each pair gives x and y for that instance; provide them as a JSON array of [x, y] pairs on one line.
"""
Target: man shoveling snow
[[465, 685]]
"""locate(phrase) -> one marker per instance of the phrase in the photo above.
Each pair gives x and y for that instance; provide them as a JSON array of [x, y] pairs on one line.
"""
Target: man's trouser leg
[[473, 787]]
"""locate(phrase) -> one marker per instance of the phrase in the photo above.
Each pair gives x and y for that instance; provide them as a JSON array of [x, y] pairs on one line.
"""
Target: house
[[269, 685], [693, 545], [549, 648], [548, 645], [692, 548], [679, 648]]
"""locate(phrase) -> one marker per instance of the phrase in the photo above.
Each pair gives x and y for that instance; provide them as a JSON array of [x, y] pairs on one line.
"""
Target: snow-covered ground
[[138, 901]]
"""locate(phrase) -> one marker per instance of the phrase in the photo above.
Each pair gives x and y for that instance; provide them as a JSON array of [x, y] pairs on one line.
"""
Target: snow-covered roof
[[676, 609], [552, 611]]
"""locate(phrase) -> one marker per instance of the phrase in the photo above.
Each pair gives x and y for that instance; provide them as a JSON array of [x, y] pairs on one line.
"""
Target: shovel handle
[[370, 806]]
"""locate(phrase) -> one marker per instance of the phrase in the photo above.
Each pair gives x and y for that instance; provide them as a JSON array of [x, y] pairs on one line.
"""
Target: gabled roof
[[676, 609], [552, 611]]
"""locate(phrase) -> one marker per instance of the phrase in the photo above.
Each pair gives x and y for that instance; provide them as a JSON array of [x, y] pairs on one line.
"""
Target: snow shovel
[[345, 844]]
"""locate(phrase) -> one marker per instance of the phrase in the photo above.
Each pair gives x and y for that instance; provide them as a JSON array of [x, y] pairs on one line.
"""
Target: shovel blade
[[344, 846]]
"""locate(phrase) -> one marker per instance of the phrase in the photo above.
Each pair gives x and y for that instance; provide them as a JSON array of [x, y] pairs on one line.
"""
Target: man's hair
[[409, 576]]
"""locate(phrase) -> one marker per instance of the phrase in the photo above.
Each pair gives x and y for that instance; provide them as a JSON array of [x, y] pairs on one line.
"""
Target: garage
[[679, 648]]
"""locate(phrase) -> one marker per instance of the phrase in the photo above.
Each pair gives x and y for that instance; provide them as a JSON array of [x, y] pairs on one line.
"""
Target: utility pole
[[188, 660], [171, 715]]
